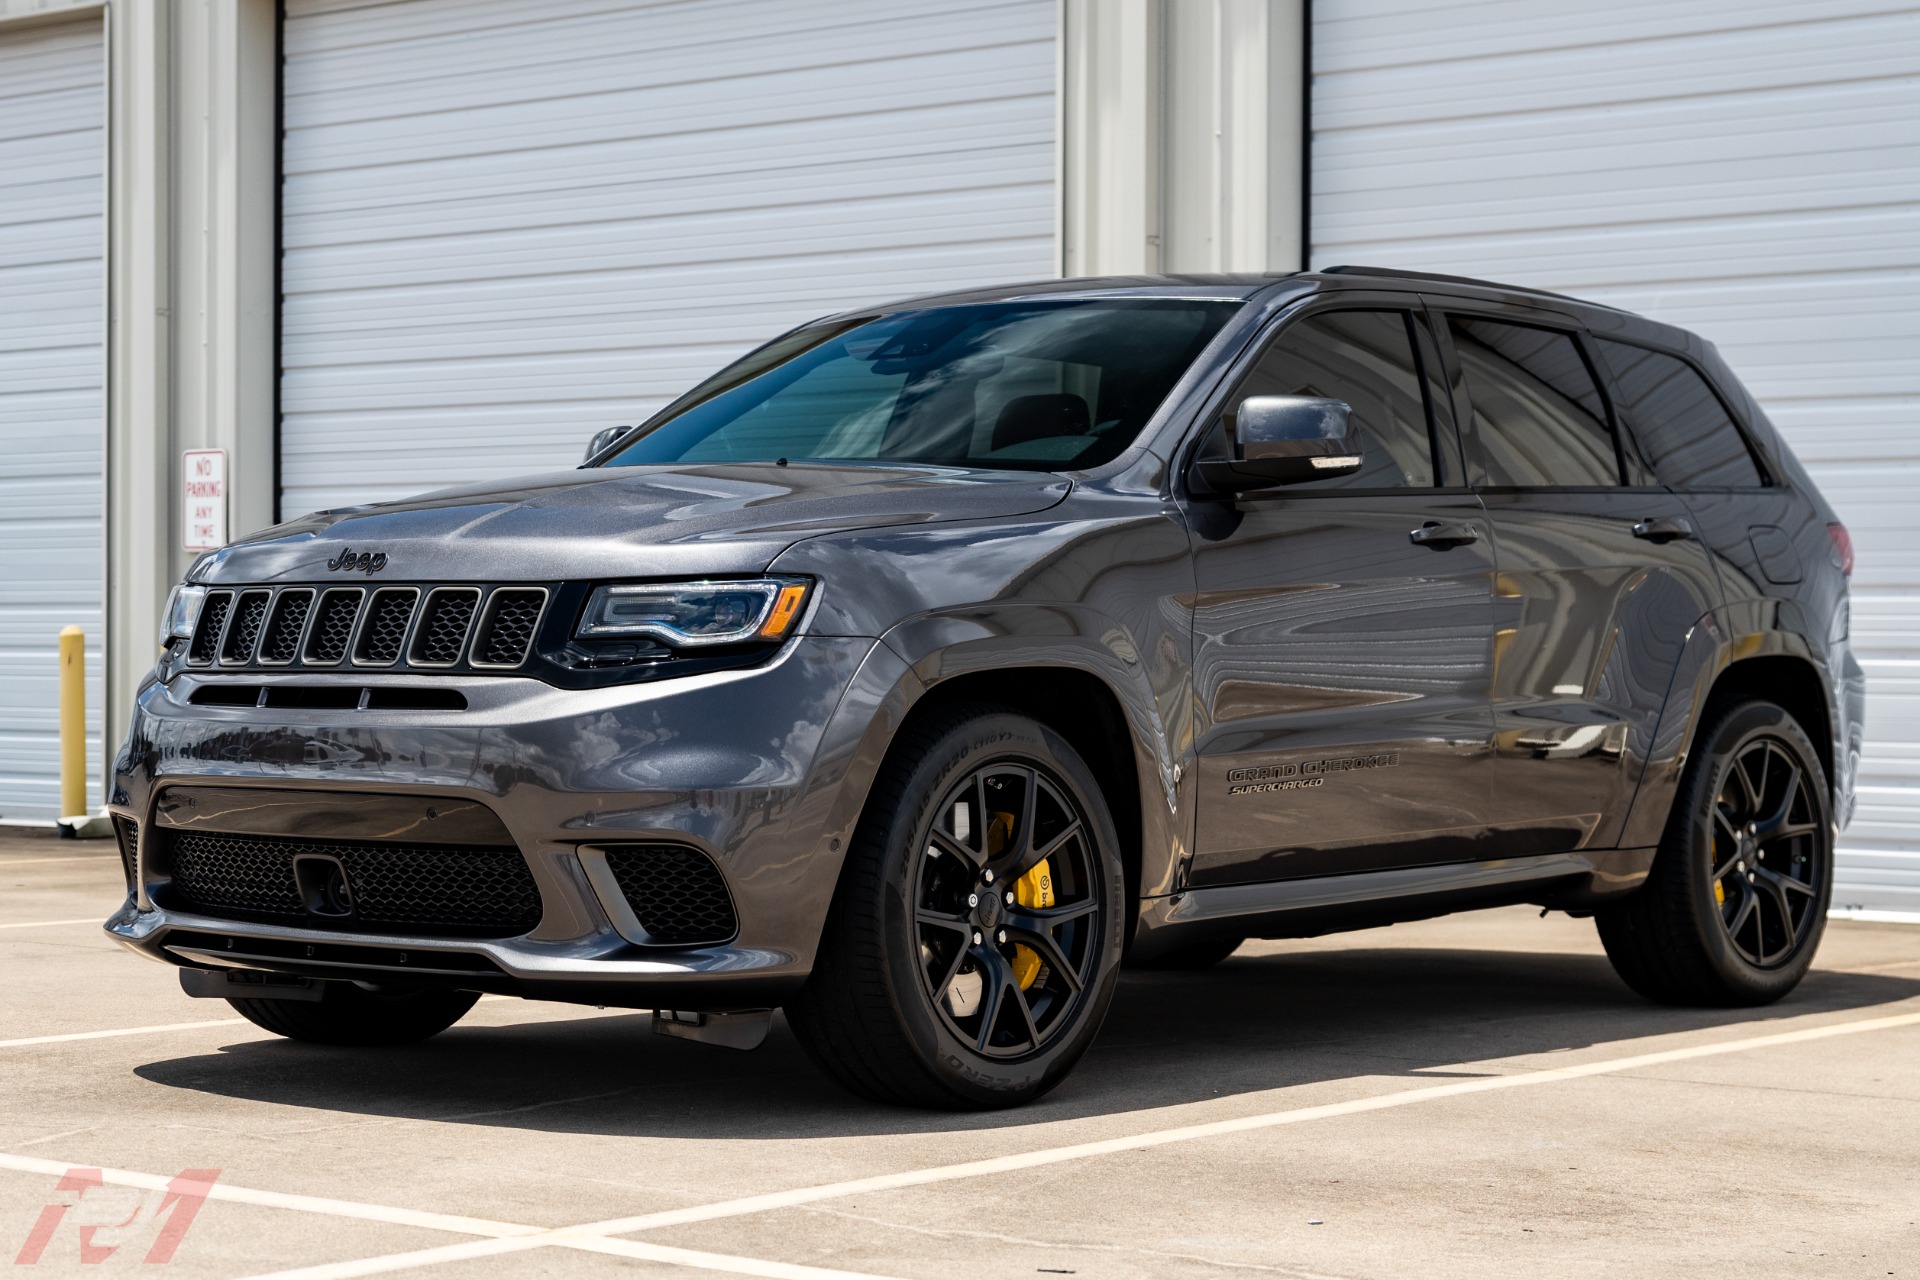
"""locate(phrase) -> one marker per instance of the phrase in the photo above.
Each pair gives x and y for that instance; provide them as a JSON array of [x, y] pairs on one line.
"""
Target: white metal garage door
[[507, 225], [52, 152], [1747, 168]]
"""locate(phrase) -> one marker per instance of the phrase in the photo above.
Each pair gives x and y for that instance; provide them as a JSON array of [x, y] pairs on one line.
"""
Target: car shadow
[[1253, 1023]]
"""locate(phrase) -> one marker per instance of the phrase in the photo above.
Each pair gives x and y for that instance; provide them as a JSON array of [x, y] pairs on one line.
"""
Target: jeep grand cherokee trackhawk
[[923, 667]]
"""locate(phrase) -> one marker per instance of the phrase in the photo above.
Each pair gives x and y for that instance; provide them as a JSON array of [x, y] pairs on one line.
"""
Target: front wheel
[[1737, 899], [974, 944]]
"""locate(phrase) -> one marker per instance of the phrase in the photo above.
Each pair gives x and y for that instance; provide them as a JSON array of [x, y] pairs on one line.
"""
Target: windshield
[[1032, 386]]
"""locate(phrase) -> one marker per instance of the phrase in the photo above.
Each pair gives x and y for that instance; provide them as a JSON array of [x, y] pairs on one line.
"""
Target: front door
[[1342, 639], [1600, 580]]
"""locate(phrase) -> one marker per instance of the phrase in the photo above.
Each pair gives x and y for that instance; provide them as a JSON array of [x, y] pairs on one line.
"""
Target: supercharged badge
[[1310, 773]]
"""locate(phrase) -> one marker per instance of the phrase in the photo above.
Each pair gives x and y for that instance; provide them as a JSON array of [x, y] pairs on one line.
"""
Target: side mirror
[[1283, 440], [603, 440]]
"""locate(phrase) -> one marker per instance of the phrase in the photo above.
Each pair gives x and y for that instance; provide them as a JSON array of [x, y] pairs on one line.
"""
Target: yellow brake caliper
[[1033, 891]]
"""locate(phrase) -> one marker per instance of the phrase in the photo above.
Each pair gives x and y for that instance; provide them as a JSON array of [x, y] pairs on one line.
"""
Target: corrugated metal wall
[[508, 225], [1747, 168], [52, 154]]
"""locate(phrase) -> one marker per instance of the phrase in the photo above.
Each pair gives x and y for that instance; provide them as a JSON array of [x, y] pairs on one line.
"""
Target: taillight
[[1842, 548]]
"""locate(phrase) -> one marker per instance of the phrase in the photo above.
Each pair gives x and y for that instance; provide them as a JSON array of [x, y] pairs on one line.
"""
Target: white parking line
[[283, 1200], [124, 1031], [48, 924], [503, 1238], [72, 857], [731, 1264]]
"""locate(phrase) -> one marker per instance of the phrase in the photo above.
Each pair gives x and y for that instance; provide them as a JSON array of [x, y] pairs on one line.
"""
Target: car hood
[[668, 521]]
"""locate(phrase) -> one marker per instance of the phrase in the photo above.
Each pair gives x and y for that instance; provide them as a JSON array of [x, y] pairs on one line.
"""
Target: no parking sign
[[204, 473]]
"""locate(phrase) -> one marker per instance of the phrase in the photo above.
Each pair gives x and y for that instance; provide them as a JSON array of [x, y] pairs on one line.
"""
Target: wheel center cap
[[987, 914]]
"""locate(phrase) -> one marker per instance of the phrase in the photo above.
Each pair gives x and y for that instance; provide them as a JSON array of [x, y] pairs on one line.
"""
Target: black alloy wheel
[[974, 942], [1736, 903], [1003, 961], [1768, 852]]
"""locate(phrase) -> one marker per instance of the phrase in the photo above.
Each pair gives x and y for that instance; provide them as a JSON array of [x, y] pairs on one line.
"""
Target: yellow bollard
[[73, 722]]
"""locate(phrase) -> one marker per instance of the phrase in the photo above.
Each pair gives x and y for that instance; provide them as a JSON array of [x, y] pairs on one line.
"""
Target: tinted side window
[[1366, 359], [1689, 436], [1538, 419]]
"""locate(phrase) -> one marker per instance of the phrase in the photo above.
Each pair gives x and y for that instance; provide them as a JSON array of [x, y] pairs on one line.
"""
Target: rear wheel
[[349, 1014], [1735, 905], [974, 944]]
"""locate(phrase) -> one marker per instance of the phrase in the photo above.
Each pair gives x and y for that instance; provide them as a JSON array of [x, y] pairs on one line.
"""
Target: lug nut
[[1001, 936], [1009, 897], [976, 937], [973, 899], [987, 875]]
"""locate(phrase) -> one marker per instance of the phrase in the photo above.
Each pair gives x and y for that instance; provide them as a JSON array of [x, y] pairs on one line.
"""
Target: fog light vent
[[676, 893]]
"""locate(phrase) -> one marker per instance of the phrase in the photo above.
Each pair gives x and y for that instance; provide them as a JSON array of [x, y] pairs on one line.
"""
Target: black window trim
[[1768, 478], [1441, 306], [1415, 307]]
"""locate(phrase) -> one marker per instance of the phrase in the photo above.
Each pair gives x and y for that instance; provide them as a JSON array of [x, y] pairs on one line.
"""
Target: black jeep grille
[[213, 620], [676, 893], [247, 617], [507, 631], [443, 626], [430, 889], [282, 641], [386, 626], [334, 625]]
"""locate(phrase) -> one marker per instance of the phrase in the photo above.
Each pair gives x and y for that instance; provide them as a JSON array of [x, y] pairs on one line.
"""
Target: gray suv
[[934, 661]]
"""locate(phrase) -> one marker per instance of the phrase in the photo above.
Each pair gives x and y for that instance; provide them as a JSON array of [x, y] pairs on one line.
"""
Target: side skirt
[[1305, 908]]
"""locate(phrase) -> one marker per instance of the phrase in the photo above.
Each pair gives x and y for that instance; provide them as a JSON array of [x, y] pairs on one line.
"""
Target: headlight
[[696, 614], [182, 613]]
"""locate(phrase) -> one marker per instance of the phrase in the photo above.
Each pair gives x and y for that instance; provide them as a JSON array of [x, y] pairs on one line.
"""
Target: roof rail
[[1397, 274]]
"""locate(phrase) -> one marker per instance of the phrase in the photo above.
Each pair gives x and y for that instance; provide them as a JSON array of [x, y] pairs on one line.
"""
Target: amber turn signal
[[786, 608]]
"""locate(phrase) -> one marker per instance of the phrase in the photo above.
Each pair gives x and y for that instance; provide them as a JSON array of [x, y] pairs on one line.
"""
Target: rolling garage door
[[507, 225], [1747, 168], [52, 151]]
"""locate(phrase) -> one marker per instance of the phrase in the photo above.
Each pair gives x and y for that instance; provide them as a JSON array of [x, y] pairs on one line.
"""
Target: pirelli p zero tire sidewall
[[1747, 724], [867, 1016], [994, 739], [1668, 940]]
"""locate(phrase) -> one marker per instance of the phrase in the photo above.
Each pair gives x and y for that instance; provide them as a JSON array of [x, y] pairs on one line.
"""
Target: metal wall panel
[[52, 154], [1747, 168], [507, 225]]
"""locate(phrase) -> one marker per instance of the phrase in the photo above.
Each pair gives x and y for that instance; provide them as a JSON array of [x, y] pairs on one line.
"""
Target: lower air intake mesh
[[430, 889], [128, 837], [676, 893]]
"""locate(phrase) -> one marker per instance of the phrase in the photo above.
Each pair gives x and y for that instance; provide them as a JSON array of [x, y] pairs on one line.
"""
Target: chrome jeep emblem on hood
[[365, 562]]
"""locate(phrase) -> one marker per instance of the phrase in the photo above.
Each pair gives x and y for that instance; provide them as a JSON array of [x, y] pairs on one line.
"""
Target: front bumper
[[753, 768]]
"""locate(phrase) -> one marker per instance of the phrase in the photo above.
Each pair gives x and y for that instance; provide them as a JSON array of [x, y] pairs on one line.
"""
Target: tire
[[349, 1014], [1194, 955], [903, 1007], [1712, 926]]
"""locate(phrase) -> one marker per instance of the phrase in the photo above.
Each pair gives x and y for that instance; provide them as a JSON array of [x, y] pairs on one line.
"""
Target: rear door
[[1600, 576], [1341, 667]]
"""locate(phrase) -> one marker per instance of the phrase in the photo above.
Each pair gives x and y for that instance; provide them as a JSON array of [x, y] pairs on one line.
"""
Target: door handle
[[1441, 536], [1662, 529]]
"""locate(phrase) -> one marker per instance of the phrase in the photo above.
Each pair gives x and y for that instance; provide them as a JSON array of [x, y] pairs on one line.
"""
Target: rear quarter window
[[1688, 435]]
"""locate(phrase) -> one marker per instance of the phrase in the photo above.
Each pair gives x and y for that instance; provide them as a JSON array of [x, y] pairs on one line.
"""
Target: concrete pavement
[[1469, 1097]]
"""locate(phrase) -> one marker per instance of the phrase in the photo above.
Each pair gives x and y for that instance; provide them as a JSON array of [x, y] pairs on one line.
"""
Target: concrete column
[[1181, 135], [192, 173]]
